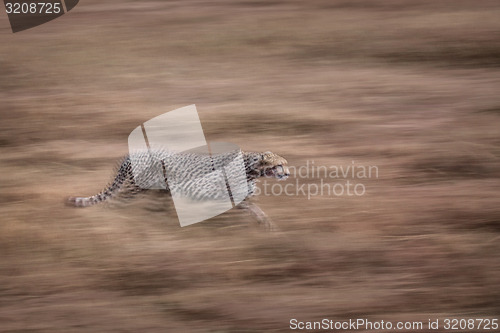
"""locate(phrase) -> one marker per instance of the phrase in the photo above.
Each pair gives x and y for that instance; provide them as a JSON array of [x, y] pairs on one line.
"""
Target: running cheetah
[[182, 166]]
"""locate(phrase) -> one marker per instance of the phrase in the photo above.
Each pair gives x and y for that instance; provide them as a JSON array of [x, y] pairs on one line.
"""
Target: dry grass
[[409, 87]]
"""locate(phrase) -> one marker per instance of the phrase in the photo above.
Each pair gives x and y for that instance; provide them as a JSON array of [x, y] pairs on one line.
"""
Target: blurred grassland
[[411, 87]]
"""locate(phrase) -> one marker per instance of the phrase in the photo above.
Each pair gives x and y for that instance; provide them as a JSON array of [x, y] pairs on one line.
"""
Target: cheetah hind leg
[[259, 214]]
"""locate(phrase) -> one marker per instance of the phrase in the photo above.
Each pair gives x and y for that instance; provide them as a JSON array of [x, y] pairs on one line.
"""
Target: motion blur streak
[[408, 86]]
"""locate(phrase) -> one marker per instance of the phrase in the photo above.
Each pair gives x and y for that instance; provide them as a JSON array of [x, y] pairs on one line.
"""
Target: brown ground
[[409, 86]]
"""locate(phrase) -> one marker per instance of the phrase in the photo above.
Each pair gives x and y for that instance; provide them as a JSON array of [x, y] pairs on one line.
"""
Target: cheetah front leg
[[259, 214]]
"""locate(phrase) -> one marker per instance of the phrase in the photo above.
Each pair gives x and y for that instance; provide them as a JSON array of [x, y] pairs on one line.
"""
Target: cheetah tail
[[107, 193]]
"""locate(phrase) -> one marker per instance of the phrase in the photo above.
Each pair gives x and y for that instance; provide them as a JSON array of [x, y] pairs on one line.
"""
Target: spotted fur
[[151, 167]]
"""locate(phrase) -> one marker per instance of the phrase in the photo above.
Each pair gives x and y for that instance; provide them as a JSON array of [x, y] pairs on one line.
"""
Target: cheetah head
[[269, 165]]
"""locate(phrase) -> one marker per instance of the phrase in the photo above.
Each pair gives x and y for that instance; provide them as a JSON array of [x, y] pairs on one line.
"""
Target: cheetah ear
[[267, 157]]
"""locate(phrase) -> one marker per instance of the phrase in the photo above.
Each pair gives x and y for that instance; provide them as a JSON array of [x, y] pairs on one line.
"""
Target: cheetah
[[155, 165]]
